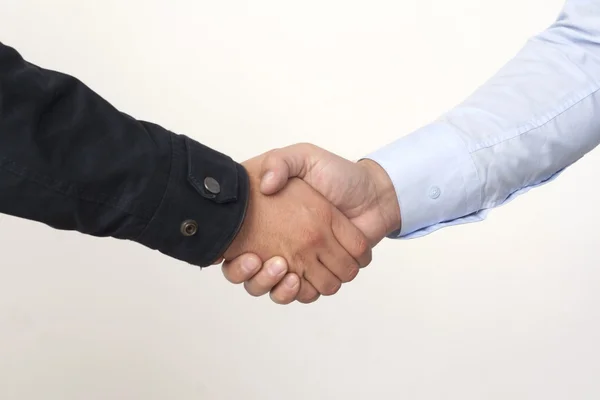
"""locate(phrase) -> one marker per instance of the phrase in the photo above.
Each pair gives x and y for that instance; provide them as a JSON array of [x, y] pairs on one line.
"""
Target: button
[[189, 228], [434, 192], [212, 185]]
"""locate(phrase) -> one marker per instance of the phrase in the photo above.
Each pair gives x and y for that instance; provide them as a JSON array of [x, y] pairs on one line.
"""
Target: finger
[[337, 260], [322, 279], [281, 164], [351, 238], [286, 291], [270, 275], [241, 268], [308, 293]]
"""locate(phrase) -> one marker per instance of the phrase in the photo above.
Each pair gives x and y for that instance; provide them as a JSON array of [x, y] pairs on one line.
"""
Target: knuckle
[[351, 273], [305, 146], [323, 215], [369, 257], [307, 294], [313, 238], [299, 262], [362, 246], [331, 287], [270, 158], [309, 299]]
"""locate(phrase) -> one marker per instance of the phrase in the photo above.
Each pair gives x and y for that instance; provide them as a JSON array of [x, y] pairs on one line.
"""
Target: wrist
[[239, 241], [386, 199]]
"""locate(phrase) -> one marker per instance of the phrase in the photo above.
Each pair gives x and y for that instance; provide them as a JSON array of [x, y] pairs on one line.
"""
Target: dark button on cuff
[[212, 174], [212, 185], [189, 228]]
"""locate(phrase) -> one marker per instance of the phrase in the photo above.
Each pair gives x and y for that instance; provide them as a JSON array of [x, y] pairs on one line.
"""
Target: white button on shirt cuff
[[435, 180]]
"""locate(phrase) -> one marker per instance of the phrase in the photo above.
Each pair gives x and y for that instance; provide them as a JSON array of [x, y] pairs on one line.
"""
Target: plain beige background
[[504, 309]]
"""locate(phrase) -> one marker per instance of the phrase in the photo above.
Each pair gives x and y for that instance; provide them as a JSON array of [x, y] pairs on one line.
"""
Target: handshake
[[312, 220]]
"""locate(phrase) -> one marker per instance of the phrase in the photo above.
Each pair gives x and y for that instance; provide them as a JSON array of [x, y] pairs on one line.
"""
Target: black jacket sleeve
[[72, 161]]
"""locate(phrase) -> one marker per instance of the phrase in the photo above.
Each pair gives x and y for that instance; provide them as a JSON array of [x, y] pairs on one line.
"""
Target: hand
[[322, 247], [362, 191]]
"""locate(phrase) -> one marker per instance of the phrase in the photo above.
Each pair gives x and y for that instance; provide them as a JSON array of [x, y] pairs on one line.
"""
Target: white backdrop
[[504, 309]]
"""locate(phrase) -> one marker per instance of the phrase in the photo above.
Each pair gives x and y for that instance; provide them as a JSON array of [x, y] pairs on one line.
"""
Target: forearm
[[535, 117], [72, 161]]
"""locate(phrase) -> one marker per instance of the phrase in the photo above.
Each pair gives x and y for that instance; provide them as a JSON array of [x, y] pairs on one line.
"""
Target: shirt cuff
[[203, 207], [435, 180]]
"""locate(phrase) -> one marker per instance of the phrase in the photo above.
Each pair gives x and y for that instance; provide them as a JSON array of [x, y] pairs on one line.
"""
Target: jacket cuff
[[203, 207]]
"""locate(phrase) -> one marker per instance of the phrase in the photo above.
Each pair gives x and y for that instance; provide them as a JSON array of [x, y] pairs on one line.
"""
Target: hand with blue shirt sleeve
[[539, 114]]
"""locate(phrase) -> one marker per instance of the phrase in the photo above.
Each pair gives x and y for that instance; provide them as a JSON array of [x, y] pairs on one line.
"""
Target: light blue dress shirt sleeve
[[539, 114]]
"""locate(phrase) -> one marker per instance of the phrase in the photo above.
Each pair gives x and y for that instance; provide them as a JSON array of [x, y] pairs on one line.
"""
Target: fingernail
[[276, 268], [250, 264], [291, 281], [268, 176]]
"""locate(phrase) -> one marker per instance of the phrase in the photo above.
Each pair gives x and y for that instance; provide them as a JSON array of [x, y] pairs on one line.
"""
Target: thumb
[[282, 164]]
